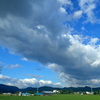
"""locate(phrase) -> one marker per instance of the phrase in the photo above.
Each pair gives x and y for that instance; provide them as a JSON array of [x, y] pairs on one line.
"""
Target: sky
[[50, 43]]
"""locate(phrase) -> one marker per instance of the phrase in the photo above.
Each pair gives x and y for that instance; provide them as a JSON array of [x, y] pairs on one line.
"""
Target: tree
[[66, 92]]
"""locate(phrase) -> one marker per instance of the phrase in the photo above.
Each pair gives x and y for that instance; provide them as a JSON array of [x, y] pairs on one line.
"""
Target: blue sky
[[50, 43]]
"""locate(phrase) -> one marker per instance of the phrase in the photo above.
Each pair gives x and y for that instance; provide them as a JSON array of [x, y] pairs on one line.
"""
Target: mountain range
[[7, 88]]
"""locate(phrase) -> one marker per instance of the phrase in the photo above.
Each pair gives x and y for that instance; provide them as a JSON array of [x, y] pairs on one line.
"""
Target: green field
[[55, 97]]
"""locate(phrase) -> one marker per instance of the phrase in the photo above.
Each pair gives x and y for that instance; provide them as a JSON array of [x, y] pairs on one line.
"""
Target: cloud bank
[[24, 83], [40, 31]]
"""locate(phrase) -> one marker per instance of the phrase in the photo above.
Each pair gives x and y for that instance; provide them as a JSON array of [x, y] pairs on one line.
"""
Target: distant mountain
[[76, 89], [7, 88], [28, 89], [44, 88]]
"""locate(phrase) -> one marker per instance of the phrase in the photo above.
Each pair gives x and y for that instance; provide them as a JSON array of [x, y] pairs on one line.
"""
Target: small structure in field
[[26, 94], [7, 93], [38, 94], [89, 92], [47, 93], [56, 91], [20, 94]]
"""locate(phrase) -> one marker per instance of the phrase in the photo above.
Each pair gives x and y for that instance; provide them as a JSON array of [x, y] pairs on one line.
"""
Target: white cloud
[[49, 83], [95, 81], [43, 37], [54, 67], [11, 66], [63, 10], [65, 2], [15, 66], [25, 59], [23, 83], [93, 41], [88, 6], [78, 14], [5, 79], [40, 27], [96, 63], [82, 63]]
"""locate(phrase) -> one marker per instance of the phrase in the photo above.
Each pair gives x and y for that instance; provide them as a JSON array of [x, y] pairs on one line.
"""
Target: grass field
[[55, 97]]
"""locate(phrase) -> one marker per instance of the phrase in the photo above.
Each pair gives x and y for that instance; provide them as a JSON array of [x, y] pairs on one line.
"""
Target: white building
[[56, 91], [7, 93]]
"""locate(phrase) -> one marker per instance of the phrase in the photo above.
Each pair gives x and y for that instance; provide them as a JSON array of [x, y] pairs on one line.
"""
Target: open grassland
[[55, 97]]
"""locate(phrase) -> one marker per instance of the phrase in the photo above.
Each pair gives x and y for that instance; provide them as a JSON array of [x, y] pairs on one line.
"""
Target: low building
[[47, 93], [56, 91], [26, 94], [7, 93], [38, 94], [89, 92], [20, 94]]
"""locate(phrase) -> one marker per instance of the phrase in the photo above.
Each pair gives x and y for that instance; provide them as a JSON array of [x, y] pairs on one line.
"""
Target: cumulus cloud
[[49, 83], [63, 10], [27, 39], [39, 34], [25, 59], [88, 6], [93, 41], [23, 83], [15, 66], [68, 2], [81, 63], [11, 66], [77, 14], [6, 79]]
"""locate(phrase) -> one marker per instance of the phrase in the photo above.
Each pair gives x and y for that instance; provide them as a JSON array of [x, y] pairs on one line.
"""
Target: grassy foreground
[[55, 97]]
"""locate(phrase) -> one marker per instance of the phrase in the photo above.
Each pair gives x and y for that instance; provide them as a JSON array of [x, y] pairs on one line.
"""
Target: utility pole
[[91, 90], [37, 89]]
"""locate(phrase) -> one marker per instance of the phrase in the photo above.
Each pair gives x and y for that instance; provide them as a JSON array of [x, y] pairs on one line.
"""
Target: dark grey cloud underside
[[20, 33], [20, 8]]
